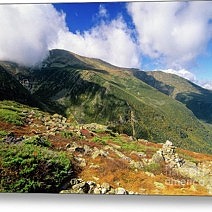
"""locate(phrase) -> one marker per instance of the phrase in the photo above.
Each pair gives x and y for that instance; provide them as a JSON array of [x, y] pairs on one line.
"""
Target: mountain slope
[[11, 89], [95, 91], [92, 90], [197, 99]]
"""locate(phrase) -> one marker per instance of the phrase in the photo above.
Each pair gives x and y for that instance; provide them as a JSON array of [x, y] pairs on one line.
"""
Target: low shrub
[[38, 141], [155, 168], [26, 167], [11, 116]]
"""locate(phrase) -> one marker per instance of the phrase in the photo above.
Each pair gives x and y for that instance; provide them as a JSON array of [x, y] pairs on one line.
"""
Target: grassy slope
[[197, 99], [95, 91]]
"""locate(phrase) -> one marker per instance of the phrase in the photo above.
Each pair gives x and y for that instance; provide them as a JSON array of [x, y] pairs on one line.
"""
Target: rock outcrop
[[168, 154], [79, 186]]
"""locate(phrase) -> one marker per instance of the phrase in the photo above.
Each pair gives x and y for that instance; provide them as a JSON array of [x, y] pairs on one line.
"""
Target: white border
[[91, 203]]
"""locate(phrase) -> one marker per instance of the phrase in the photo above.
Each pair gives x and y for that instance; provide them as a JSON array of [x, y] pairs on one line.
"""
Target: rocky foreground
[[110, 163]]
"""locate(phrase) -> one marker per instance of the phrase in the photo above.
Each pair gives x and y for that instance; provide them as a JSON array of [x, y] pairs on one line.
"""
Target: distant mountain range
[[152, 105]]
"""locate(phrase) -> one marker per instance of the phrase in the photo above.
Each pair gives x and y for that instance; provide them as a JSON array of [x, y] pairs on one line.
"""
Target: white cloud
[[111, 42], [206, 84], [189, 76], [27, 31], [102, 11], [175, 31], [182, 73]]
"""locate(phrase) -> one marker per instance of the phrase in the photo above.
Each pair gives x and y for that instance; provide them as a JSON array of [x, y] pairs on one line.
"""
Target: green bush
[[30, 168], [153, 168], [67, 134], [3, 133], [11, 116], [99, 140], [38, 141]]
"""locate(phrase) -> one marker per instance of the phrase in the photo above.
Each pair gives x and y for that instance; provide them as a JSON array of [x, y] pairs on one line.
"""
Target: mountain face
[[12, 89], [126, 100], [197, 99]]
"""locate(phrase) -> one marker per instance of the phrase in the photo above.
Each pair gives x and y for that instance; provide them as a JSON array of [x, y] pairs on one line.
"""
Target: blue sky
[[174, 37], [82, 16]]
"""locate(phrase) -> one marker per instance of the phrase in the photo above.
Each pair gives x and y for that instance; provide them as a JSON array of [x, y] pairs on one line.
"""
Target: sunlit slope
[[95, 91], [196, 98]]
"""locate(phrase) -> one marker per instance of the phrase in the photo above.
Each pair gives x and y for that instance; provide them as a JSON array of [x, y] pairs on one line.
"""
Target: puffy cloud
[[182, 73], [175, 31], [27, 31], [206, 84], [109, 41], [189, 76], [102, 11]]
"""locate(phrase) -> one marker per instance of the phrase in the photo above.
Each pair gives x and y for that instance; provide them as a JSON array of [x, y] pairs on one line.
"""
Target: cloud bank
[[174, 32], [27, 31]]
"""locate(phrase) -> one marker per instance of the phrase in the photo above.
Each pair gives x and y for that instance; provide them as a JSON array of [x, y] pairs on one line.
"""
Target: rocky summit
[[78, 125]]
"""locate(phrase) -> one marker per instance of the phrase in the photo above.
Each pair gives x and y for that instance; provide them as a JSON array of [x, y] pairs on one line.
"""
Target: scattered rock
[[149, 174], [168, 155], [79, 186], [120, 191], [68, 145], [11, 138], [97, 191]]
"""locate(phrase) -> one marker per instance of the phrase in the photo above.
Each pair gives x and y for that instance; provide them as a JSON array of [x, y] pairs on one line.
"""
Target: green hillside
[[197, 99], [94, 91], [11, 89]]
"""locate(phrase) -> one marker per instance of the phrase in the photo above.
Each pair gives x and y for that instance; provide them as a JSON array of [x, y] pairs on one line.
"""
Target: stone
[[168, 143], [120, 190], [81, 161], [56, 115], [65, 192], [97, 191], [68, 145], [79, 149], [157, 157], [86, 133], [74, 181], [149, 174], [103, 191], [115, 146], [106, 186], [103, 153], [86, 188], [91, 183], [87, 149], [131, 192], [79, 185], [112, 191]]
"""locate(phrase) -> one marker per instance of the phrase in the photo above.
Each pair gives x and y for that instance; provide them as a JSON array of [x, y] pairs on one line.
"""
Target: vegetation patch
[[11, 116], [26, 167], [38, 141], [3, 133]]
